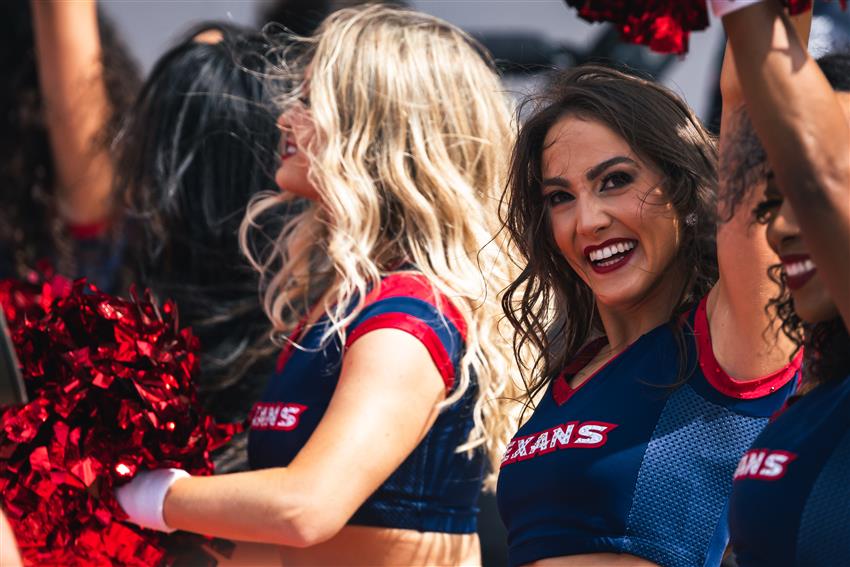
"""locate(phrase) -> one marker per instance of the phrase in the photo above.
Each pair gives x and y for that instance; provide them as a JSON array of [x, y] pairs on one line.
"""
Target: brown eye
[[766, 210], [616, 180], [556, 198]]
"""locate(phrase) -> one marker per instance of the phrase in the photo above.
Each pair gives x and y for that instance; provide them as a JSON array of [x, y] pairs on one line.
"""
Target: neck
[[624, 324]]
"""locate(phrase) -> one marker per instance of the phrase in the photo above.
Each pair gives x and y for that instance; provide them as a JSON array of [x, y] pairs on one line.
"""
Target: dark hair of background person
[[200, 142], [743, 166], [30, 229], [665, 133], [303, 17]]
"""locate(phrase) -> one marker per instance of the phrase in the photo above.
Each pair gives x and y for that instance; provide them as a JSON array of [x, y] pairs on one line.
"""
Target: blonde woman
[[369, 445]]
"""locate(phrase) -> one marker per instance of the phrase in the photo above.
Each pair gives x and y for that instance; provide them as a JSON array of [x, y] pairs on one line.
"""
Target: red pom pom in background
[[663, 25], [111, 389]]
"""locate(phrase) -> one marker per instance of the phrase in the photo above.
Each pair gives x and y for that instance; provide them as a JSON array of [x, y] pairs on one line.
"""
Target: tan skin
[[812, 301], [9, 556], [598, 189], [800, 121], [388, 386], [76, 106]]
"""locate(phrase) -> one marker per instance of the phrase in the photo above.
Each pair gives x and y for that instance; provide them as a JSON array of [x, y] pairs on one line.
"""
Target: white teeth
[[798, 268], [608, 251]]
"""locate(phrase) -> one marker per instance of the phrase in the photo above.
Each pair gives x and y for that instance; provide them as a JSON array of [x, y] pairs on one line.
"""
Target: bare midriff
[[359, 546], [594, 560]]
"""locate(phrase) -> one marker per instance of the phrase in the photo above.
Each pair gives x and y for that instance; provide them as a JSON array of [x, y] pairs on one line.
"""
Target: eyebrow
[[591, 173], [597, 170]]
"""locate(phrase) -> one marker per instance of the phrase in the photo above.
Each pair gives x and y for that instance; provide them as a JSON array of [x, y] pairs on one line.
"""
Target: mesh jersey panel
[[690, 430], [824, 536]]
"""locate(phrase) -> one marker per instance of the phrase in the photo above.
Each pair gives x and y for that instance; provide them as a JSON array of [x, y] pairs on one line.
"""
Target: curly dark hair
[[743, 167], [29, 226], [200, 142], [551, 309]]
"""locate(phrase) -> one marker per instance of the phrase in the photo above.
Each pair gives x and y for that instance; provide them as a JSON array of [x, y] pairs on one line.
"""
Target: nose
[[782, 228], [592, 217]]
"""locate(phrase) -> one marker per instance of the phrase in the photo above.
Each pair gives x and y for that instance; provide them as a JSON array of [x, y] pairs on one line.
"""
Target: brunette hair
[[551, 309], [199, 144]]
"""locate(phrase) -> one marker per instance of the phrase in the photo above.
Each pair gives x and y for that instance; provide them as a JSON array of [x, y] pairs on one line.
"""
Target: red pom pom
[[111, 383], [663, 25]]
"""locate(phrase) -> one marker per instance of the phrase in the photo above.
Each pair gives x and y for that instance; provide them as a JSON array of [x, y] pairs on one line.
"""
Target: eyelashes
[[610, 182], [616, 180], [766, 210]]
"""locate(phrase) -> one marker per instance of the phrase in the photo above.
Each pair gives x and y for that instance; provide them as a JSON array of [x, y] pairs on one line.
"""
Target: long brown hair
[[552, 310]]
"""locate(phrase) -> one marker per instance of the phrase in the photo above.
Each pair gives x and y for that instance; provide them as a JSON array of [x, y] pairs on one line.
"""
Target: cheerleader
[[369, 444], [790, 500], [658, 365]]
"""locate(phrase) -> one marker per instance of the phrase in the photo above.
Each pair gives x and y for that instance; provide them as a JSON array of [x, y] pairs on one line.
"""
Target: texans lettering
[[763, 464], [276, 416], [570, 435]]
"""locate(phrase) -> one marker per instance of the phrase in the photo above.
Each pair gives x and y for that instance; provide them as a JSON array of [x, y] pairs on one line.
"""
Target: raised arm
[[383, 406], [736, 306], [804, 132], [76, 106]]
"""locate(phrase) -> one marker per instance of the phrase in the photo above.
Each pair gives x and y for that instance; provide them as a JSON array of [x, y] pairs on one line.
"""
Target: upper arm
[[384, 404], [747, 342], [804, 132]]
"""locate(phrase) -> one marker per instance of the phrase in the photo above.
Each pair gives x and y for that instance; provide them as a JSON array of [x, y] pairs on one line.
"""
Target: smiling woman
[[650, 332]]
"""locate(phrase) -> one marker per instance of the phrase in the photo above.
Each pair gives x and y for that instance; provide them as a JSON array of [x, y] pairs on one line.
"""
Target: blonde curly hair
[[409, 157]]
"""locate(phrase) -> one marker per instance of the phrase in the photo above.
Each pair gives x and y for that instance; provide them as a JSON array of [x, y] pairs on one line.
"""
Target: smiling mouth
[[289, 150], [610, 255], [798, 269]]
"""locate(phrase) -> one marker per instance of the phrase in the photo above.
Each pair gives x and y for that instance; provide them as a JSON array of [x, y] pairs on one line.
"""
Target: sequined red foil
[[663, 25], [112, 393]]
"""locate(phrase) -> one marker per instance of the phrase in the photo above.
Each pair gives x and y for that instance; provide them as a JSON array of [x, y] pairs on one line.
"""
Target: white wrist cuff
[[723, 7], [144, 496]]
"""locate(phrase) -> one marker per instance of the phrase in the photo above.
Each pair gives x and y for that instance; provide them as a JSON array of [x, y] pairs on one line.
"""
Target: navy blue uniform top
[[435, 488], [790, 501], [634, 461]]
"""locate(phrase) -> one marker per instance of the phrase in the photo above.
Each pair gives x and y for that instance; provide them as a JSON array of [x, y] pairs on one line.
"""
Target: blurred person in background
[[67, 80], [198, 144]]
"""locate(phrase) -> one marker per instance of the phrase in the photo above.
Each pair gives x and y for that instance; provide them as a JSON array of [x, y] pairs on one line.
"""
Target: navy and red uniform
[[790, 501], [435, 488], [635, 461]]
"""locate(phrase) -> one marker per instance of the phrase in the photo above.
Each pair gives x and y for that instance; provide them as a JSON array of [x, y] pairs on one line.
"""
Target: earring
[[691, 219]]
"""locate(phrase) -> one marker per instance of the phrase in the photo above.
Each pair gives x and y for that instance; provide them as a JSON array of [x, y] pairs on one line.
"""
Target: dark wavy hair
[[743, 166], [551, 309], [29, 224], [200, 142]]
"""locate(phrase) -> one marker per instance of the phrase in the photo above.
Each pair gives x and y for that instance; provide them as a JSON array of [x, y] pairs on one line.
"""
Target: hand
[[143, 497]]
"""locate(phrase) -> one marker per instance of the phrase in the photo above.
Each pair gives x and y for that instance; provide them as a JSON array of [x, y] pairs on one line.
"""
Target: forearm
[[76, 105], [804, 132], [268, 506]]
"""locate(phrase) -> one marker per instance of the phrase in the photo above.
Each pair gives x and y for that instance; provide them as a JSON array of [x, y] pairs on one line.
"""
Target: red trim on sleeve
[[416, 285], [727, 385], [410, 324], [88, 231]]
